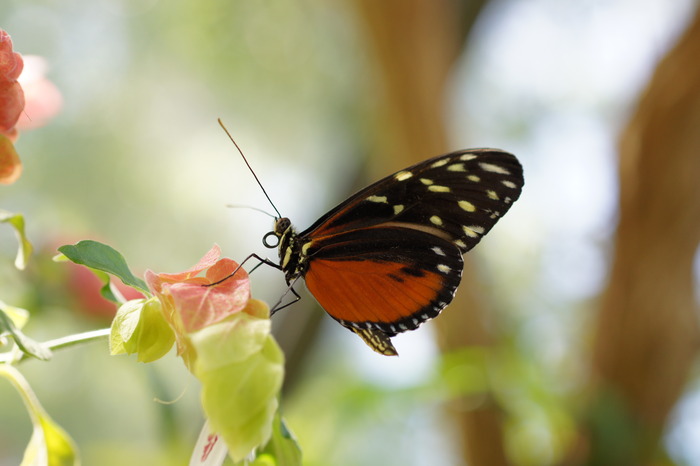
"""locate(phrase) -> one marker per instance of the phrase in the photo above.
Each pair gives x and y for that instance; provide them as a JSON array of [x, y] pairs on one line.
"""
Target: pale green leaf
[[26, 344], [25, 247]]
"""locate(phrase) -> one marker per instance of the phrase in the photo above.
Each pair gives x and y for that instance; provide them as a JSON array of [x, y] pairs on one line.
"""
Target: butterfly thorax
[[292, 260]]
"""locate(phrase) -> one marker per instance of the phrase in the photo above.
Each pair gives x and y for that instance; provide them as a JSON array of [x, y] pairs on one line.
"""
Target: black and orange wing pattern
[[390, 257]]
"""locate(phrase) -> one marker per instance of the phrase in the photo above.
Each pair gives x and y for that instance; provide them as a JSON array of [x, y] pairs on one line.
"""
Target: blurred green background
[[136, 159]]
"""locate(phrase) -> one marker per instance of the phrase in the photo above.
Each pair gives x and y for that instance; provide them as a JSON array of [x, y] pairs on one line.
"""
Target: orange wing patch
[[368, 291]]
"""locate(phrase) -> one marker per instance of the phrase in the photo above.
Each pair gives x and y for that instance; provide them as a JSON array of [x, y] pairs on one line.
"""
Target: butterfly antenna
[[243, 206], [250, 168]]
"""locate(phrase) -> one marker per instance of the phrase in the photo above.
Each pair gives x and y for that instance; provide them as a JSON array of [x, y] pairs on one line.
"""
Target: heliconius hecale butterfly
[[390, 256]]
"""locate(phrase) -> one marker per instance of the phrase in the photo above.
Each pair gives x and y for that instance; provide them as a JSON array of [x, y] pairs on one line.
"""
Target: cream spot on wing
[[426, 181], [466, 205], [489, 167], [443, 268], [469, 232], [398, 209], [379, 199], [456, 167], [460, 243], [440, 163], [467, 157], [473, 178], [404, 175], [438, 251], [438, 189], [492, 194], [436, 220], [508, 184]]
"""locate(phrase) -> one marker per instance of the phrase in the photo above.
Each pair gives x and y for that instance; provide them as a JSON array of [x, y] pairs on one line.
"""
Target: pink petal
[[42, 98], [11, 63], [11, 105], [205, 262], [200, 306]]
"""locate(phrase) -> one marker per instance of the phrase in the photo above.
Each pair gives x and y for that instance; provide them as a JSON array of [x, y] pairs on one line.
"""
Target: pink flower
[[11, 94], [42, 98], [11, 106], [27, 100], [188, 304]]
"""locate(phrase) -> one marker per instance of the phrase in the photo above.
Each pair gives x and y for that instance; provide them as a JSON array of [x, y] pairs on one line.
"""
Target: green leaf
[[282, 449], [25, 247], [26, 344], [102, 257]]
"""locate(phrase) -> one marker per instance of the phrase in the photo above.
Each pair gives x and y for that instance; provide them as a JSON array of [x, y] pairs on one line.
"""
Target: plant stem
[[58, 343]]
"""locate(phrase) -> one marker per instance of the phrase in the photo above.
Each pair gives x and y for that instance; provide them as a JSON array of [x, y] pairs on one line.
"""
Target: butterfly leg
[[262, 261], [278, 306]]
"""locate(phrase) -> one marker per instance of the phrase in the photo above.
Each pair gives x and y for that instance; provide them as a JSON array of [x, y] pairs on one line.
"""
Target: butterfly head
[[286, 244]]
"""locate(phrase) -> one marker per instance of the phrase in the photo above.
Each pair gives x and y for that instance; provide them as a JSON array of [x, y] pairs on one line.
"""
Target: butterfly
[[389, 257]]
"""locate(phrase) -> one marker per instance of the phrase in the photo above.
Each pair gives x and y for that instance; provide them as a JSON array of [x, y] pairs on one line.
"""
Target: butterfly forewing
[[462, 194], [390, 257]]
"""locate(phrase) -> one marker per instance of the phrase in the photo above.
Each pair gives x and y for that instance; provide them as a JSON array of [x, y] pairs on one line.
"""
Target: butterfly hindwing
[[383, 279]]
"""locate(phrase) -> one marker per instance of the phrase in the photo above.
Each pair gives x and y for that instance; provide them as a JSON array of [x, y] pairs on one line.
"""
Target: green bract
[[139, 327], [241, 369]]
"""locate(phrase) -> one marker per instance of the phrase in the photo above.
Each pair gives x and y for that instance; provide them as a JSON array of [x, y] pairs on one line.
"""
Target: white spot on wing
[[438, 251], [443, 268], [469, 232], [508, 184], [401, 176], [466, 205], [379, 199], [440, 163], [489, 167], [467, 157]]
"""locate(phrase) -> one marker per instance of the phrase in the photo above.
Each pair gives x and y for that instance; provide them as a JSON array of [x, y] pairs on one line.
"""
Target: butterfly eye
[[281, 225], [267, 243]]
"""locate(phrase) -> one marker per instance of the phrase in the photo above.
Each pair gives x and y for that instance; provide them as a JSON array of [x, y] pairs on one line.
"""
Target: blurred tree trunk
[[416, 44], [647, 329]]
